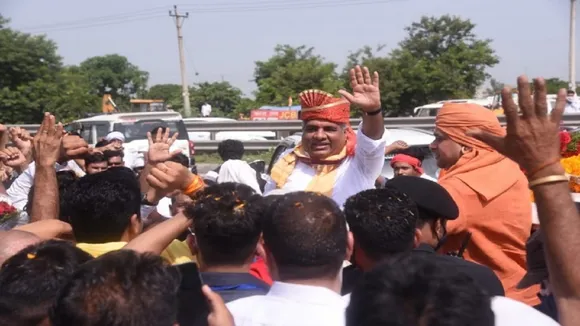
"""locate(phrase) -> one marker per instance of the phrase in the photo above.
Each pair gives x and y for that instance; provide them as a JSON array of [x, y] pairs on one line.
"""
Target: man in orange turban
[[331, 159], [491, 192]]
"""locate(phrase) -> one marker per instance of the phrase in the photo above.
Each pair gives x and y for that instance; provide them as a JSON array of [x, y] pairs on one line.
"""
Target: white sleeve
[[370, 153], [18, 191]]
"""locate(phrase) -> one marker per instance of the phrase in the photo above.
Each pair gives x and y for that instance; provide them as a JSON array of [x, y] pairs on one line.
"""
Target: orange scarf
[[324, 178]]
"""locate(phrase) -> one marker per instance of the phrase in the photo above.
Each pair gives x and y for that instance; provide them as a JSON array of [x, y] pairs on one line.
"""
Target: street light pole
[[572, 53]]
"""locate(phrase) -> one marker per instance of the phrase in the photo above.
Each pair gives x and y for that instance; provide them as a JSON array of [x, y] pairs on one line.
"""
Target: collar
[[306, 294], [423, 247], [225, 279]]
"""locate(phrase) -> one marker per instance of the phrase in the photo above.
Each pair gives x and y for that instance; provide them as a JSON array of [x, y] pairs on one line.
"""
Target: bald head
[[11, 242]]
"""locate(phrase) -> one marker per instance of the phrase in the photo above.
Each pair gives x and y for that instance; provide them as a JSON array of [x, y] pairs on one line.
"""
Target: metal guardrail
[[283, 128]]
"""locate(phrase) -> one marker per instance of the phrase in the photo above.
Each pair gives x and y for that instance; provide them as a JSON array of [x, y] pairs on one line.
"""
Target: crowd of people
[[322, 241]]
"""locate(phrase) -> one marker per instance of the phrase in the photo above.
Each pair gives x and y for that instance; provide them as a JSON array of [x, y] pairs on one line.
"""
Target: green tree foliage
[[222, 96], [115, 75], [170, 93], [29, 66], [553, 85], [441, 58], [494, 88], [290, 71]]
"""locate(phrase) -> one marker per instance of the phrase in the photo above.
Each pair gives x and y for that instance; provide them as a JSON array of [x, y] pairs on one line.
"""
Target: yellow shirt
[[176, 253]]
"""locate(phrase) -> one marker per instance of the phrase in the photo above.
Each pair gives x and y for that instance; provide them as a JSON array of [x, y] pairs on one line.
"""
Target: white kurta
[[354, 174]]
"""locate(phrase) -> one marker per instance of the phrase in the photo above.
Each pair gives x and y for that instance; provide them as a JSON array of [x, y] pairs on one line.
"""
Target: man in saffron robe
[[491, 193], [331, 159]]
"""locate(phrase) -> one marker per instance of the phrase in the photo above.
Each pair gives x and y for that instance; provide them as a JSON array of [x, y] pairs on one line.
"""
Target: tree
[[440, 59], [553, 85], [494, 88], [222, 96], [170, 93], [73, 99], [115, 75], [373, 60], [290, 71], [29, 66]]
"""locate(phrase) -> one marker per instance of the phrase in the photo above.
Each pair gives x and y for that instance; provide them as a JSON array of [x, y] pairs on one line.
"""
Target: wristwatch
[[145, 201], [379, 110]]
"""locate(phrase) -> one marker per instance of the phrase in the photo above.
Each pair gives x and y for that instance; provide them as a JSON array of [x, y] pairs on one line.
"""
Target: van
[[134, 126]]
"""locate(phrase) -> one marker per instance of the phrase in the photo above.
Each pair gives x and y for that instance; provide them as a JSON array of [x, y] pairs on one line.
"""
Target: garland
[[570, 151]]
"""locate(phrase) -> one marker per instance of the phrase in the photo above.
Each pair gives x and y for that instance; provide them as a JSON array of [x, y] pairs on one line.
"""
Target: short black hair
[[416, 290], [99, 206], [226, 221], [109, 154], [306, 234], [95, 158], [231, 149], [120, 288], [181, 159], [382, 221], [31, 279], [102, 143]]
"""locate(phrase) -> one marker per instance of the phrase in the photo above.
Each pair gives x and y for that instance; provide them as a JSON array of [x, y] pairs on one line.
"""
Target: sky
[[224, 38]]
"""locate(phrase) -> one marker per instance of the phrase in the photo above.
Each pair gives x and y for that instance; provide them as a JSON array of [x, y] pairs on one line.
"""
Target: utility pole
[[185, 89], [572, 54]]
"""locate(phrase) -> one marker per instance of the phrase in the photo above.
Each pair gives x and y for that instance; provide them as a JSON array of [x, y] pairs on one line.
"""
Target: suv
[[413, 137]]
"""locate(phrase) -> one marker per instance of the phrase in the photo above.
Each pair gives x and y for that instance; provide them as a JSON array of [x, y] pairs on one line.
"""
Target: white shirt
[[239, 171], [205, 110], [290, 305], [163, 207], [509, 312], [355, 174], [20, 188]]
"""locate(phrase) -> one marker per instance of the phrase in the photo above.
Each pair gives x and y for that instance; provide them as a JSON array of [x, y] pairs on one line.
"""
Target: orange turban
[[319, 105], [454, 119]]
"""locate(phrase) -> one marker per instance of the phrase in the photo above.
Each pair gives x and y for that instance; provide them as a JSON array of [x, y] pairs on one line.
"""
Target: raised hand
[[73, 147], [12, 157], [22, 139], [159, 147], [47, 142], [365, 89], [532, 139], [396, 146]]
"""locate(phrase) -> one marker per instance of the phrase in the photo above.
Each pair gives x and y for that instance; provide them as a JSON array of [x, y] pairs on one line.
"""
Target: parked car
[[416, 138]]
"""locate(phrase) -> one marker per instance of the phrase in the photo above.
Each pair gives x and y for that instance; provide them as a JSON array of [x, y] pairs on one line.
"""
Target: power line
[[97, 24], [291, 5], [207, 8], [90, 20]]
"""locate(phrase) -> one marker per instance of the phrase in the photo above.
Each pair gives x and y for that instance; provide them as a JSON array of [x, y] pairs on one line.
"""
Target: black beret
[[430, 197]]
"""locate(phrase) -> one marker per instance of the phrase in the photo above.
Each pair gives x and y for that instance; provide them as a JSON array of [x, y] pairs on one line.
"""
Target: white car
[[416, 138]]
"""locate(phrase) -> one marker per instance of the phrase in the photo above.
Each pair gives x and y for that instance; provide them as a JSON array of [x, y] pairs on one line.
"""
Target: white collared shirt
[[509, 312], [290, 305], [355, 174]]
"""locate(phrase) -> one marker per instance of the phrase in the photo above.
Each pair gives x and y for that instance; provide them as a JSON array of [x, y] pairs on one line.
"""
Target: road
[[202, 168]]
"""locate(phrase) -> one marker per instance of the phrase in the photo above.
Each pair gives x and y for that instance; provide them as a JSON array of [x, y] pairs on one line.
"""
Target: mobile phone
[[193, 308]]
